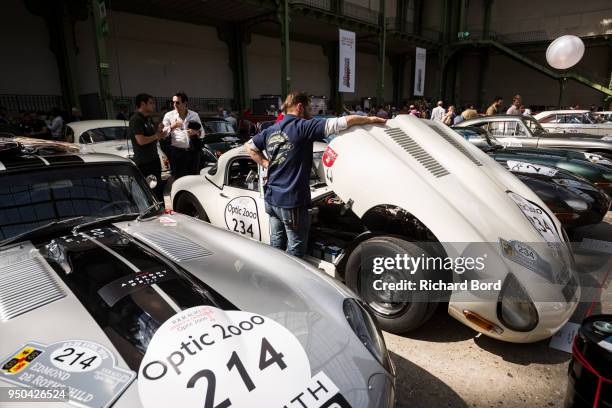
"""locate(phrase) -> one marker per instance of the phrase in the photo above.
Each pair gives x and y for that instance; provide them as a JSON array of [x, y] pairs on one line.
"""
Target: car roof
[[84, 125], [493, 118], [20, 162], [561, 111]]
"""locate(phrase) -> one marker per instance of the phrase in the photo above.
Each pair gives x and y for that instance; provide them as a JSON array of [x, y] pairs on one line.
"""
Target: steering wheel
[[115, 204]]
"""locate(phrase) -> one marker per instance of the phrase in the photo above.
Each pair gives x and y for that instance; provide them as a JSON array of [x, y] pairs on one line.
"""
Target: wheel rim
[[381, 307]]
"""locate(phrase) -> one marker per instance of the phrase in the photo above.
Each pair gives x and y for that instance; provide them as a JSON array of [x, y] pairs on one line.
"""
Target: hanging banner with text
[[346, 65], [419, 71]]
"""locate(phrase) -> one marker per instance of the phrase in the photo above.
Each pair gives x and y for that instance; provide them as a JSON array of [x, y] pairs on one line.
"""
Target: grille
[[456, 144], [417, 152], [174, 246], [24, 286]]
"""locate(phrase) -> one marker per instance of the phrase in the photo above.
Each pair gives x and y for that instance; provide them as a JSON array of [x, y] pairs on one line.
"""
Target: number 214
[[234, 361]]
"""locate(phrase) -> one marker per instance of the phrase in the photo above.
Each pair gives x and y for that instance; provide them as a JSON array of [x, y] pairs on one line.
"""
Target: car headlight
[[515, 309], [607, 138], [366, 330]]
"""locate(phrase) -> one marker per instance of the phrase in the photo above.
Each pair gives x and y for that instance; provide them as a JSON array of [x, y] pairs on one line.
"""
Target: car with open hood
[[413, 189], [526, 131], [574, 121], [107, 301]]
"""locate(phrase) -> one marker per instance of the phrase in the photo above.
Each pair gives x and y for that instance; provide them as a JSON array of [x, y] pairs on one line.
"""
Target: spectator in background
[[414, 111], [33, 126], [144, 137], [495, 106], [449, 116], [514, 109], [382, 113], [220, 111], [57, 124], [75, 115], [437, 114], [469, 113], [232, 119], [123, 113]]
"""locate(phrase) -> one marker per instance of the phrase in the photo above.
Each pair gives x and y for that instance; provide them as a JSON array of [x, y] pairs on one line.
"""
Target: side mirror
[[151, 181]]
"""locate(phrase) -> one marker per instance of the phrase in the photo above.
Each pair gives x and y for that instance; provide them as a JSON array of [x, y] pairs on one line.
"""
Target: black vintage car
[[572, 198], [219, 137]]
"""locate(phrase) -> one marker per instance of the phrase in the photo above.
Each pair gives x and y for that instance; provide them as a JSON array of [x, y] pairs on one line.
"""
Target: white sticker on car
[[88, 370], [524, 167], [510, 142], [538, 218], [205, 356], [596, 158], [241, 216]]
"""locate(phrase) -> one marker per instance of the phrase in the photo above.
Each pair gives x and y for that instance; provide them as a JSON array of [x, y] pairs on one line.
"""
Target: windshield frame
[[538, 128], [70, 172]]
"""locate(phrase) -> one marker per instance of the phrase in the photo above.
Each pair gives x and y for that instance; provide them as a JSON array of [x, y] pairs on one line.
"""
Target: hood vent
[[456, 144], [173, 245], [417, 152], [24, 286]]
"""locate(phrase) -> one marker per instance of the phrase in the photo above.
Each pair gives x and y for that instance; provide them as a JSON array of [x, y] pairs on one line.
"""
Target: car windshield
[[533, 125], [218, 126], [31, 199], [105, 134]]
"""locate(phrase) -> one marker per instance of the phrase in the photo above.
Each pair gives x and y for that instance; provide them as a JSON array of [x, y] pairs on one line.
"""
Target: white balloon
[[565, 52]]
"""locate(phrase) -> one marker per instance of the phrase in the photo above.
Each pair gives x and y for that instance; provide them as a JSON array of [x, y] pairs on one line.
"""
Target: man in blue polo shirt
[[289, 145]]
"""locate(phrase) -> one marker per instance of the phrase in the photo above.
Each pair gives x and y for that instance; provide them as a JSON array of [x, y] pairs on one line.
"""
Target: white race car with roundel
[[417, 189]]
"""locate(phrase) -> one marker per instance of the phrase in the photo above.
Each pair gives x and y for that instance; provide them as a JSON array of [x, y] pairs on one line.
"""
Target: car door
[[241, 206], [512, 133]]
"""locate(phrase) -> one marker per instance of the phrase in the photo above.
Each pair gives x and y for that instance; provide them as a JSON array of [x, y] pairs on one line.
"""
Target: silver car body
[[447, 183], [573, 121], [525, 131], [252, 276]]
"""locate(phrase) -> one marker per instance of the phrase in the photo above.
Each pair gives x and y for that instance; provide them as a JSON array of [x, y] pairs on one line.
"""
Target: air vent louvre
[[417, 152], [456, 144], [173, 245], [24, 286]]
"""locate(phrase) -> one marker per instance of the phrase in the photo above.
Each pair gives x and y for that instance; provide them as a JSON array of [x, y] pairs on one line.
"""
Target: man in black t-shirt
[[144, 139]]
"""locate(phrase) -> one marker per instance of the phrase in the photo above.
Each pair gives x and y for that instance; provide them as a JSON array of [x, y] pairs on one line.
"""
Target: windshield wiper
[[37, 230], [100, 220], [144, 214]]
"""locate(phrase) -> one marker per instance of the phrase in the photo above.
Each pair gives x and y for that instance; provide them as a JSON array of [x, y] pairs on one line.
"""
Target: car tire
[[399, 317], [189, 205]]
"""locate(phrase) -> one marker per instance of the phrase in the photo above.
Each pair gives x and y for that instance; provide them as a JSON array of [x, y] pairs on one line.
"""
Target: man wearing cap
[[288, 145], [184, 128]]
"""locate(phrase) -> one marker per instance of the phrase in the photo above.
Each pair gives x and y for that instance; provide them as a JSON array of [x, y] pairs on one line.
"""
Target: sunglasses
[[176, 102]]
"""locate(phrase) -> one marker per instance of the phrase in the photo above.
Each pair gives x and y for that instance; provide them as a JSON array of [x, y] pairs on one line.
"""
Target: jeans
[[289, 229]]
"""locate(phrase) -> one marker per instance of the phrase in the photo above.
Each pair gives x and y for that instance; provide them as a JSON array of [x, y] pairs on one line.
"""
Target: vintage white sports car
[[574, 121], [106, 136], [417, 189]]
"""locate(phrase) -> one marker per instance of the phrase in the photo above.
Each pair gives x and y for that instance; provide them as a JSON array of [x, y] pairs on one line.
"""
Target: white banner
[[419, 71], [346, 65]]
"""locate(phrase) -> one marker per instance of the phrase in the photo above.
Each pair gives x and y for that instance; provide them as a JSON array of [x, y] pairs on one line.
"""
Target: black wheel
[[189, 205], [396, 311]]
